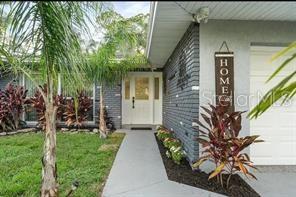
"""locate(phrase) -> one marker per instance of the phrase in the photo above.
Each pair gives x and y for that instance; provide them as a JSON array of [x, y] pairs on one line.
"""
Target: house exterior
[[183, 51], [253, 32]]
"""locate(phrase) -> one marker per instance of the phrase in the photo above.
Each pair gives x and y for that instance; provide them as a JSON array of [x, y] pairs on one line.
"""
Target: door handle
[[133, 102]]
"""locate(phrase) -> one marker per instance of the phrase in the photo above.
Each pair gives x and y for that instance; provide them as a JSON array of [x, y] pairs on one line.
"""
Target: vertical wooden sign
[[224, 79]]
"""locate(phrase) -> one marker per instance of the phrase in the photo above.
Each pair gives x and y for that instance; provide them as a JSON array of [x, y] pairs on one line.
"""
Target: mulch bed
[[27, 130], [183, 174], [35, 130]]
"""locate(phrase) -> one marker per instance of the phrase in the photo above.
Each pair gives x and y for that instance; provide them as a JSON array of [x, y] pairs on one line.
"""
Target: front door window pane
[[156, 88], [127, 88], [142, 88]]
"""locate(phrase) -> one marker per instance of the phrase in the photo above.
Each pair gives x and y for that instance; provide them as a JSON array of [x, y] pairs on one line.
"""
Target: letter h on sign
[[224, 79]]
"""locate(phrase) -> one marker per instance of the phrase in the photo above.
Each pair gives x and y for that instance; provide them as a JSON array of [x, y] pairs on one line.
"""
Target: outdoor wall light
[[201, 15]]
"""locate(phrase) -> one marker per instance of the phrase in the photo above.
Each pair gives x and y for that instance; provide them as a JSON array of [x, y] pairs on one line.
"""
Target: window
[[164, 83], [156, 88], [142, 88], [127, 89], [30, 114]]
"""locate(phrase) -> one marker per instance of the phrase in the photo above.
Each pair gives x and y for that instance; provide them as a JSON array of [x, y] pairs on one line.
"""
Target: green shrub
[[173, 145], [177, 154], [170, 142], [162, 134]]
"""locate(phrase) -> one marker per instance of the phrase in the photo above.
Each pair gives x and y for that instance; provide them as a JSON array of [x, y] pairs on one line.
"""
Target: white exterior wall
[[239, 35]]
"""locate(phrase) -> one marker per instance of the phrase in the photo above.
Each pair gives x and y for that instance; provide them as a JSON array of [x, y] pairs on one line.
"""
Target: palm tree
[[119, 53], [47, 34], [285, 89]]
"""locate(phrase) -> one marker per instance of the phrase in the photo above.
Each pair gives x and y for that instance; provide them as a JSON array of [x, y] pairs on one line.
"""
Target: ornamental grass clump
[[222, 144]]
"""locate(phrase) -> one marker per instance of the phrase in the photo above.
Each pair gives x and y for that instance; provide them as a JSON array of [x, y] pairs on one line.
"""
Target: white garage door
[[277, 126]]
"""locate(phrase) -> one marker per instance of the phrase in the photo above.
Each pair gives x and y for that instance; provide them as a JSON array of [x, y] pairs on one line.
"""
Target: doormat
[[141, 128]]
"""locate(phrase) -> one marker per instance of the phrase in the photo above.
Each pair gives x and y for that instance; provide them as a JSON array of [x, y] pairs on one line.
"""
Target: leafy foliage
[[285, 89], [13, 100], [54, 50], [38, 103], [76, 110], [222, 144], [173, 145], [109, 123], [116, 55], [163, 133], [45, 35]]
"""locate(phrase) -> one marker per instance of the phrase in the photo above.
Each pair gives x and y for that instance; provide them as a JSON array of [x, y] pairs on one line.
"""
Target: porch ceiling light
[[201, 15]]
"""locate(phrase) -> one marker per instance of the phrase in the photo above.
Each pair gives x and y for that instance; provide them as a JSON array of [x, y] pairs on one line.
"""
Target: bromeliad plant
[[222, 144]]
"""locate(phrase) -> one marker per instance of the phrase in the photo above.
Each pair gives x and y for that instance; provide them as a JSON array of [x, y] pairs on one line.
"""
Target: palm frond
[[285, 89], [116, 55], [47, 33]]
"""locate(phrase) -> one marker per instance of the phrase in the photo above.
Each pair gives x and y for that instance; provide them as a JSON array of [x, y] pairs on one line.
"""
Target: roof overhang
[[170, 20]]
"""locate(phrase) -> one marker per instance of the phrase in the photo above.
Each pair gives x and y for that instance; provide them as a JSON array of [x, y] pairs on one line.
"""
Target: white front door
[[276, 126], [142, 98]]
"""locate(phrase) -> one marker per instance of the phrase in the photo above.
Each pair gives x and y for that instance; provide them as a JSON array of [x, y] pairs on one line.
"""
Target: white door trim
[[155, 106]]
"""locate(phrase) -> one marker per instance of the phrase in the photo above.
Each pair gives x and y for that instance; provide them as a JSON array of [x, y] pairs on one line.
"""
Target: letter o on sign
[[224, 71]]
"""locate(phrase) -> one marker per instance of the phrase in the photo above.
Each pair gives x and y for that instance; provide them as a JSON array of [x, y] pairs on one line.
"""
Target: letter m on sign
[[224, 77]]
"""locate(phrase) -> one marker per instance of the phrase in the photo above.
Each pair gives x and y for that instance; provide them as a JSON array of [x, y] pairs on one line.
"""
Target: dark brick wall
[[5, 80], [112, 98], [181, 104]]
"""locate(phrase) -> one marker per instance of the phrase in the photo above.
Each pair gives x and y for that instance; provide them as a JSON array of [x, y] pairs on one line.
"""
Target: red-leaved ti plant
[[76, 110], [38, 103], [5, 123], [222, 144], [13, 100]]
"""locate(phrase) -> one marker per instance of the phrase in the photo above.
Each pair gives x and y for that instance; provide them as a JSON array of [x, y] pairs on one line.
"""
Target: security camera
[[201, 15]]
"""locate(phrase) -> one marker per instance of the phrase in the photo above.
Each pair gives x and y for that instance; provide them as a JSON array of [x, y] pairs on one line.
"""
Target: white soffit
[[168, 21]]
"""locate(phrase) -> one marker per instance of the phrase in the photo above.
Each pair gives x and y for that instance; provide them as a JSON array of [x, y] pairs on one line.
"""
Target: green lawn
[[81, 157]]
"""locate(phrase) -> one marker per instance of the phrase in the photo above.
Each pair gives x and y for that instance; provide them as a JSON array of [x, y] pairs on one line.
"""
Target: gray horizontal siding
[[7, 79], [180, 106], [112, 98]]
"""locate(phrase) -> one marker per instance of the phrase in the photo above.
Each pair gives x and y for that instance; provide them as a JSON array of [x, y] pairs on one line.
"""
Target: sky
[[131, 8], [126, 9]]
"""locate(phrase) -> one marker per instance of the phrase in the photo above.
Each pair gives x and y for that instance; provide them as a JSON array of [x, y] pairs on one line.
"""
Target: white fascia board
[[153, 7]]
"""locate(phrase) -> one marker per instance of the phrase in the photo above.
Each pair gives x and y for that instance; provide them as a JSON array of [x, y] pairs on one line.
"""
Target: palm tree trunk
[[49, 186], [102, 127]]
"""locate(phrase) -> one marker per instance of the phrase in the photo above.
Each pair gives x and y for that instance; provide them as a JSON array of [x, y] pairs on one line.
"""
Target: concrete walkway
[[138, 171], [275, 181]]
